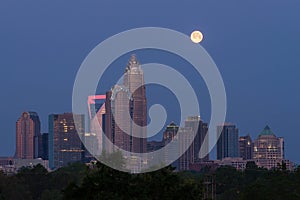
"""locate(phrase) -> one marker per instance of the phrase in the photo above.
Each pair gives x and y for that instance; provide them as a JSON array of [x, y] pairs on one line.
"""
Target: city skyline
[[109, 111], [42, 48], [150, 99], [237, 146]]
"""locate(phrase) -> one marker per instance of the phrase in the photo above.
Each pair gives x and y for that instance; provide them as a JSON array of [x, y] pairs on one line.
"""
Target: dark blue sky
[[256, 46]]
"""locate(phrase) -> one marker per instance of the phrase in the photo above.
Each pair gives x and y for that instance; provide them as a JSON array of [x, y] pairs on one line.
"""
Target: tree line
[[79, 181]]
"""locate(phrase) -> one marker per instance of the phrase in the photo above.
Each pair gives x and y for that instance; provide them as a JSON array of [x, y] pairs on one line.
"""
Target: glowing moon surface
[[196, 36]]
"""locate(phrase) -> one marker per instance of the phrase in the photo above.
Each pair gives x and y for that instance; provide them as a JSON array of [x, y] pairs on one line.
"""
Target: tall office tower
[[246, 147], [170, 134], [96, 108], [123, 99], [192, 139], [134, 81], [200, 128], [268, 149], [65, 144], [27, 133], [185, 135], [117, 121], [228, 142]]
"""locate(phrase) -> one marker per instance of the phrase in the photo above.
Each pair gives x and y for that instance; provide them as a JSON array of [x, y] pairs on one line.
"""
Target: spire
[[133, 59], [133, 63], [172, 124]]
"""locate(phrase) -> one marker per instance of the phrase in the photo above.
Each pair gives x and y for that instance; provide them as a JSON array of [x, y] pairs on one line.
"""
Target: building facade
[[125, 103], [134, 81], [27, 136], [200, 128], [96, 109], [185, 136], [170, 134], [238, 163], [246, 147], [65, 145], [194, 130], [228, 142], [268, 149]]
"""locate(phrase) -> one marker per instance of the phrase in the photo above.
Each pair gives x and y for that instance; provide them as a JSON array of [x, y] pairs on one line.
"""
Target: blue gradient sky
[[256, 46]]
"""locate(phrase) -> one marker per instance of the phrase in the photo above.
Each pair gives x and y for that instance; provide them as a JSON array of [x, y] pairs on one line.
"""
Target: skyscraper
[[194, 130], [27, 134], [134, 81], [201, 129], [228, 142], [123, 99], [96, 107], [246, 147], [65, 145], [268, 149], [184, 138], [170, 134], [118, 102]]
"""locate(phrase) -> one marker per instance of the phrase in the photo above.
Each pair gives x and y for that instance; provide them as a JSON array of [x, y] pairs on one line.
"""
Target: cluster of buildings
[[108, 114], [266, 151], [121, 116]]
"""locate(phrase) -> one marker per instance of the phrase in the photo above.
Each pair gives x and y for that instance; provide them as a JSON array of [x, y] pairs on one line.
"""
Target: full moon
[[196, 36]]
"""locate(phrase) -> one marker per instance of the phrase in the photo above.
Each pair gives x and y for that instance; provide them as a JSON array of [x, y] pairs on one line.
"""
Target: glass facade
[[228, 142], [65, 144]]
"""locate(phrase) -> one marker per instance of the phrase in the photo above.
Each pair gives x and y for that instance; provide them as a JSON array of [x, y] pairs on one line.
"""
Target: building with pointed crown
[[268, 149], [130, 97]]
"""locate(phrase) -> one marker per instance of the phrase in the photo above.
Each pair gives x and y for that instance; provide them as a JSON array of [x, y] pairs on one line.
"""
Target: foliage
[[77, 181]]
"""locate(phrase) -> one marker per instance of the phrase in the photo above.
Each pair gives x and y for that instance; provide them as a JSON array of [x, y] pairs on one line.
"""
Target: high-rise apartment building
[[228, 142], [27, 136], [65, 145]]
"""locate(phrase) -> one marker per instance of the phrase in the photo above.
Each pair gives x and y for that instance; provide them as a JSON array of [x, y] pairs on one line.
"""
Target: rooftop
[[267, 131]]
